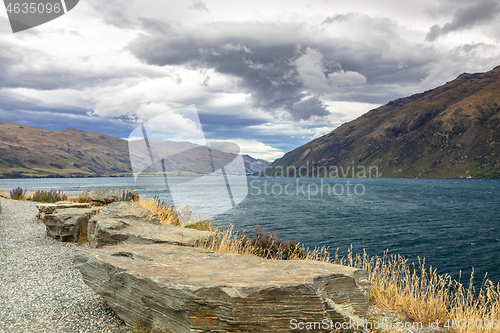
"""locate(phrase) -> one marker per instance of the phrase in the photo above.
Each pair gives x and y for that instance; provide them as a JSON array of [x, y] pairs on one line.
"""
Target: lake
[[453, 223]]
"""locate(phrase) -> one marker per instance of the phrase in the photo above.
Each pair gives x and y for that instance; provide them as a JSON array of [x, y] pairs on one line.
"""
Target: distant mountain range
[[27, 152], [452, 131]]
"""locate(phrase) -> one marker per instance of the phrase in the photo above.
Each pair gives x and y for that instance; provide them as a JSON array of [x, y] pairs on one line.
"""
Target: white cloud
[[257, 149], [317, 78]]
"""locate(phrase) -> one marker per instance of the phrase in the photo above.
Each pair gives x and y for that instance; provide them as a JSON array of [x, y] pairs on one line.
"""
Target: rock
[[191, 289], [132, 224], [106, 196], [184, 215], [49, 208], [64, 224]]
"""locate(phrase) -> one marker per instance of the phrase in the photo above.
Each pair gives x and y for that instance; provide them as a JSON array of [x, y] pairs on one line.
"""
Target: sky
[[266, 75]]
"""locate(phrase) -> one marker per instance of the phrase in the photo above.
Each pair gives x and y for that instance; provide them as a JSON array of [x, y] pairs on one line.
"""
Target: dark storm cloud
[[467, 17], [264, 56]]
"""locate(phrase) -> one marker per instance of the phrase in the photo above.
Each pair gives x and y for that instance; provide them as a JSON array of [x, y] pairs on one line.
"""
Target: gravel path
[[40, 290]]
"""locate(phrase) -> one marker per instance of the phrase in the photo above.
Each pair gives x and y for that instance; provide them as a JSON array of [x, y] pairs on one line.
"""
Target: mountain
[[32, 152], [452, 131]]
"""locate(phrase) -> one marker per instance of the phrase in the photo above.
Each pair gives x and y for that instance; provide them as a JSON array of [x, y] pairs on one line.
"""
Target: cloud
[[321, 76], [198, 5], [466, 17], [256, 149]]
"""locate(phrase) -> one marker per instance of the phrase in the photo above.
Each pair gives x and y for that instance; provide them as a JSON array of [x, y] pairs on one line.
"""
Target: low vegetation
[[49, 196], [18, 193], [424, 296]]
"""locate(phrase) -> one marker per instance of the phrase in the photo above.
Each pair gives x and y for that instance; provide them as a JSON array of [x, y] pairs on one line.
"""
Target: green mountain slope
[[32, 152], [452, 131]]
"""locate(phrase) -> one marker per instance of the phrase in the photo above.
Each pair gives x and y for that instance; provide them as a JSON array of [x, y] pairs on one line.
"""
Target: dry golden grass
[[425, 296], [230, 241], [227, 241], [166, 214]]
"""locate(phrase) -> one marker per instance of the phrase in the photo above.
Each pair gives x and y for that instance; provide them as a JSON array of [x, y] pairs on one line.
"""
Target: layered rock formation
[[63, 220], [189, 289], [127, 222], [65, 224]]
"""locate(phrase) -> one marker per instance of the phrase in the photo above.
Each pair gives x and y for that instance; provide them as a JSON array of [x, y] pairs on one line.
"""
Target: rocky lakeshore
[[40, 289], [153, 274]]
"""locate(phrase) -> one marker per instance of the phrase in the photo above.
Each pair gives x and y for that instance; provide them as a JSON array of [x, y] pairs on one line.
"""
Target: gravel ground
[[40, 290]]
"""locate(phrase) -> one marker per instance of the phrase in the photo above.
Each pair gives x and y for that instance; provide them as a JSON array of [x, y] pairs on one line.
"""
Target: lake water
[[453, 223]]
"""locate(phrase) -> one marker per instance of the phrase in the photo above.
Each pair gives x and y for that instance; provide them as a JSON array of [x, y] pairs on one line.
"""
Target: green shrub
[[83, 200], [49, 196], [18, 193], [201, 225]]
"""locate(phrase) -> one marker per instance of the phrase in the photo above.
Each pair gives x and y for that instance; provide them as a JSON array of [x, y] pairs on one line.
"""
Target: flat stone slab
[[107, 195], [64, 224], [128, 223], [49, 208], [191, 289]]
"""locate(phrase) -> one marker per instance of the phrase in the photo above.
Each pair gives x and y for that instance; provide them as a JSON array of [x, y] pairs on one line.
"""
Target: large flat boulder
[[127, 222], [64, 224], [107, 195], [191, 289]]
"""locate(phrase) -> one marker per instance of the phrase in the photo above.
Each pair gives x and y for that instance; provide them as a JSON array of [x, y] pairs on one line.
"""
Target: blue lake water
[[453, 223]]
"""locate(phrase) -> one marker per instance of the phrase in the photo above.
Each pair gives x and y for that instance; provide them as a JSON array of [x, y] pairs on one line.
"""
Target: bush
[[49, 196], [18, 193], [202, 225], [83, 200], [269, 245]]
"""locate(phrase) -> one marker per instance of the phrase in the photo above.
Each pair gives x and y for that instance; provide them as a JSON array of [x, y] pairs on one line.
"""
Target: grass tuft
[[166, 214], [18, 193], [49, 196]]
